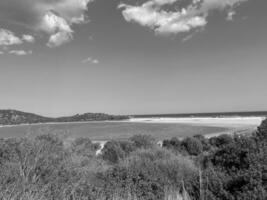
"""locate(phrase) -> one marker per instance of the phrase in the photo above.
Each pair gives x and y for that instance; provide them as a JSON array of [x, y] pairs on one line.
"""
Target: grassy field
[[112, 130]]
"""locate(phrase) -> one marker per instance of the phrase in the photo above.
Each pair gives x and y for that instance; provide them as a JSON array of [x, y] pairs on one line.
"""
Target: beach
[[159, 128], [209, 121]]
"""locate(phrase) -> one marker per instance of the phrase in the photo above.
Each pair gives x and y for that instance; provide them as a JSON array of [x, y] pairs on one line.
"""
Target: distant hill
[[13, 117]]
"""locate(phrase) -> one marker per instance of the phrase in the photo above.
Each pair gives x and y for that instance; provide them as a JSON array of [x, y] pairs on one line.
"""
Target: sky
[[62, 57]]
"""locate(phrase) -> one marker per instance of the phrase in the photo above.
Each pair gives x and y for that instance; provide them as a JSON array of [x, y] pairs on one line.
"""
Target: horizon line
[[149, 114]]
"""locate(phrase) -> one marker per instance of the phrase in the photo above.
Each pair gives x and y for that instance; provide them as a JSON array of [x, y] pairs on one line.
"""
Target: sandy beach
[[238, 125], [207, 121]]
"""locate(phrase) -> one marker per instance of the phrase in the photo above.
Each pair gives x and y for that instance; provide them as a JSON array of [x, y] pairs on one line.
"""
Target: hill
[[13, 117]]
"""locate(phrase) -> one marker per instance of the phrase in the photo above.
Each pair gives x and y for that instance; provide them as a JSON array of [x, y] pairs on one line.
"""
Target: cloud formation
[[20, 52], [90, 60], [54, 17], [8, 38], [59, 29], [154, 15], [28, 38]]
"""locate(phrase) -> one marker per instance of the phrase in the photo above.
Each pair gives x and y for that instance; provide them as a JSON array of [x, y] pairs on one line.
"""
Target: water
[[112, 130]]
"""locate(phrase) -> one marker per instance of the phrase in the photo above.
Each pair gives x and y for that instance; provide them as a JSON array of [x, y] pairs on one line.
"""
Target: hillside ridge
[[15, 117]]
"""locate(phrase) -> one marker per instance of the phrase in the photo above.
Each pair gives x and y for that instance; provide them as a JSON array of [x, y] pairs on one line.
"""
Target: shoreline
[[209, 121]]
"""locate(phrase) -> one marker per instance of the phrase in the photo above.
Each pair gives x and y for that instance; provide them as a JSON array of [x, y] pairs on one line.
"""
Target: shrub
[[243, 163], [204, 141], [143, 141], [192, 145], [173, 143], [84, 147], [147, 172], [112, 152], [262, 130], [221, 140], [127, 146]]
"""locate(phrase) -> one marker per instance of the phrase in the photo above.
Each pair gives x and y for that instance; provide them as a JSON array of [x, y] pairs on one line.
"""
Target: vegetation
[[11, 117], [196, 168]]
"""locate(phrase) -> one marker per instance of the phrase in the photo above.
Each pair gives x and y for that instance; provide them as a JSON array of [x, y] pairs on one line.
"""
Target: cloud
[[1, 52], [54, 17], [28, 38], [59, 38], [154, 15], [8, 38], [58, 27], [20, 52], [230, 15], [90, 60]]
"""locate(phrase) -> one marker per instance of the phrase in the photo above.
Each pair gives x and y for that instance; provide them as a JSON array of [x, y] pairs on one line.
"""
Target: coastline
[[208, 121], [165, 127], [58, 123]]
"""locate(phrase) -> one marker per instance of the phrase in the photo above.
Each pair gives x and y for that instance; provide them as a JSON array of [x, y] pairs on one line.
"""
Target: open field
[[103, 131]]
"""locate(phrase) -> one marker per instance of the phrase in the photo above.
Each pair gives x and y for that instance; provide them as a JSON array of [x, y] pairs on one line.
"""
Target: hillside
[[12, 117]]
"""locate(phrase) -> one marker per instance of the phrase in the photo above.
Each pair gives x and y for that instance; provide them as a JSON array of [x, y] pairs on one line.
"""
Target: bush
[[204, 141], [192, 145], [143, 141], [114, 151], [262, 131], [45, 167], [242, 163], [84, 147], [173, 143], [147, 172], [221, 140], [127, 146]]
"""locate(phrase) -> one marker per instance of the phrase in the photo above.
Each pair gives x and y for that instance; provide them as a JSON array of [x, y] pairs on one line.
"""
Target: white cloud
[[1, 52], [54, 17], [28, 38], [230, 15], [152, 14], [58, 27], [20, 52], [90, 60], [95, 61], [59, 38], [8, 38]]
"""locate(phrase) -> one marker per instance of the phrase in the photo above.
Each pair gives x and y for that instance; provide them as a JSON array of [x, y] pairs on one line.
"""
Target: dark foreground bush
[[188, 146], [262, 131], [114, 151], [146, 174], [238, 170], [174, 143], [192, 145], [221, 140], [143, 141]]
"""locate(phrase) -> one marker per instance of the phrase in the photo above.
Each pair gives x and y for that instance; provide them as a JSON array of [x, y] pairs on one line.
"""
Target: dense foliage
[[9, 117], [197, 168], [232, 167]]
